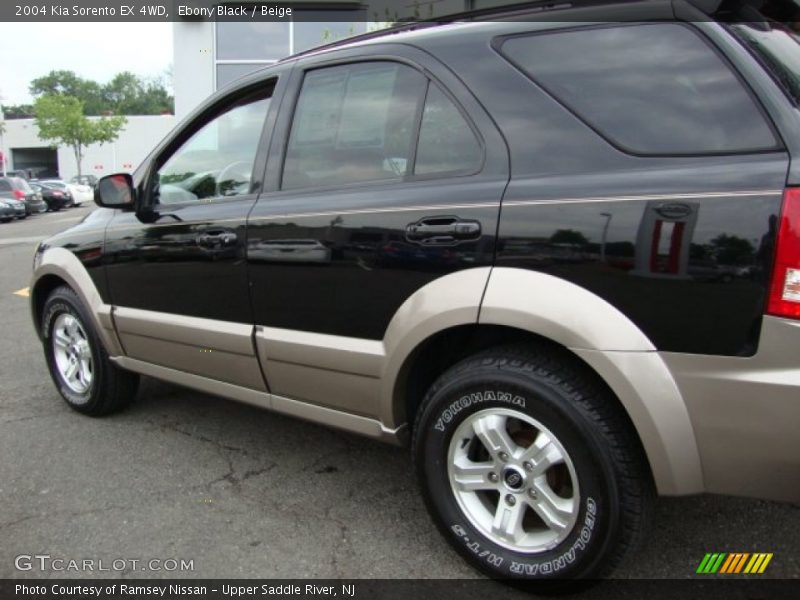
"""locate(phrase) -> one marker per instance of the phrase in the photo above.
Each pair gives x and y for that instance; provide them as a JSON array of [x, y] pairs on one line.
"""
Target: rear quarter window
[[650, 89]]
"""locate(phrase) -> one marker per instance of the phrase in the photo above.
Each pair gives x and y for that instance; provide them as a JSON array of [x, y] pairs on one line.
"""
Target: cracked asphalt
[[248, 493]]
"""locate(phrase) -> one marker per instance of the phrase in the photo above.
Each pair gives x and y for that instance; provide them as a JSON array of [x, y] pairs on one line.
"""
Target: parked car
[[55, 199], [19, 189], [80, 193], [304, 251], [59, 186], [547, 393], [6, 211], [89, 180], [18, 206], [75, 194]]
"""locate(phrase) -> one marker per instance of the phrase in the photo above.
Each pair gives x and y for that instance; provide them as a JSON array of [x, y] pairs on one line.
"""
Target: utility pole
[[3, 155], [605, 234]]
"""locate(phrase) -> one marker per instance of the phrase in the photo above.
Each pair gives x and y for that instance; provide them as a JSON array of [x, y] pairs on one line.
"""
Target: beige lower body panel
[[218, 350], [319, 414], [326, 370], [746, 414]]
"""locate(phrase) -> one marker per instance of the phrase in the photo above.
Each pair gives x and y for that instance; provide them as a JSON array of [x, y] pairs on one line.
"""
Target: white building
[[26, 150]]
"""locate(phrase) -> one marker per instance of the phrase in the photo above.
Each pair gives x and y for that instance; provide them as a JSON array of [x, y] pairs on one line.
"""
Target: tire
[[98, 387], [574, 520]]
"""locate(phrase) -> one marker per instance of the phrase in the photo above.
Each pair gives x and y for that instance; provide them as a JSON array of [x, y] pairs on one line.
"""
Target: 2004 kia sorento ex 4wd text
[[560, 259]]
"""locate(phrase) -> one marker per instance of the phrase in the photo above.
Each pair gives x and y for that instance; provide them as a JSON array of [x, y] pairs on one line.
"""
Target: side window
[[446, 141], [651, 88], [353, 123], [216, 161]]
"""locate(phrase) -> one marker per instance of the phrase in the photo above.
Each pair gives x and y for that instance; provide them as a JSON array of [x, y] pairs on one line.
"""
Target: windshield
[[778, 48]]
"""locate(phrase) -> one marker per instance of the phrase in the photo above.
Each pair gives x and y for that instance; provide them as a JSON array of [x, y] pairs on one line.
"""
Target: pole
[[3, 140], [603, 238]]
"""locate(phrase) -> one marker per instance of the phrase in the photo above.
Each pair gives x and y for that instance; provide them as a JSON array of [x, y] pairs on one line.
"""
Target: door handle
[[443, 231], [214, 239]]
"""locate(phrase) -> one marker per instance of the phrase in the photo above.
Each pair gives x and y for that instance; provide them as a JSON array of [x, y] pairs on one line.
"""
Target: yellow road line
[[24, 292]]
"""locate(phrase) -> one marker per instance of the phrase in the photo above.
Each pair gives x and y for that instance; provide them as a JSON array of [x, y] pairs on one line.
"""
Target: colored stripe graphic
[[728, 562], [711, 562], [734, 563], [765, 563]]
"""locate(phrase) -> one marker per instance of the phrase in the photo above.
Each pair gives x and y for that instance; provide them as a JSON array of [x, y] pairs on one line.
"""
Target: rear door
[[385, 174]]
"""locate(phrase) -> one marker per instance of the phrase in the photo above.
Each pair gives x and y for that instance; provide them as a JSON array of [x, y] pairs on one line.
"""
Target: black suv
[[557, 255]]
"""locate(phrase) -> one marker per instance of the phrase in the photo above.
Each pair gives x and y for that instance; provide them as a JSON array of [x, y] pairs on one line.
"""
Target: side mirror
[[115, 191]]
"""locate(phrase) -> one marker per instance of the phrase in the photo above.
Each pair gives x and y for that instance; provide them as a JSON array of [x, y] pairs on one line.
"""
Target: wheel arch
[[526, 306], [58, 266]]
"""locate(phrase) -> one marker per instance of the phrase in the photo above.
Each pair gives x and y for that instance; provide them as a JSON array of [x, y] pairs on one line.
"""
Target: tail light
[[19, 194], [784, 293], [58, 194]]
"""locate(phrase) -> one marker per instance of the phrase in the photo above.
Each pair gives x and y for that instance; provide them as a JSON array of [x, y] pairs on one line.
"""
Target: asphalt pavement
[[242, 492]]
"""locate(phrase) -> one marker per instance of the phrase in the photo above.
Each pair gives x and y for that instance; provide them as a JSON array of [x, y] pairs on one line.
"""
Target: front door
[[176, 269]]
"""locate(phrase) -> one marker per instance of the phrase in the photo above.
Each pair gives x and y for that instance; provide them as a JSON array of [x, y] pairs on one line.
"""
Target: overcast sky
[[93, 50]]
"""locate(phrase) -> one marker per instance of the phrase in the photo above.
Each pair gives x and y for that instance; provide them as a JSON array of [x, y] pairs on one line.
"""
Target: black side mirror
[[115, 191]]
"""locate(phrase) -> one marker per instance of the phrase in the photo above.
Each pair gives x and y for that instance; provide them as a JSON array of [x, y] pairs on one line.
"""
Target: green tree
[[61, 120], [126, 93], [732, 249], [67, 83], [18, 111]]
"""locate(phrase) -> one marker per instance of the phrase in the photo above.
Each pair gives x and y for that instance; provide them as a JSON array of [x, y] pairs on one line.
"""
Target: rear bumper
[[56, 203], [36, 206], [746, 414]]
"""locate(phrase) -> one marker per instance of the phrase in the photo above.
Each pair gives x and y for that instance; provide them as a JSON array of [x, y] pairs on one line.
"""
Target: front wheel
[[530, 468], [79, 365]]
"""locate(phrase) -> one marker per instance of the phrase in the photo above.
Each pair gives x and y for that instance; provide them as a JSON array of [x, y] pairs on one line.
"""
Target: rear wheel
[[530, 468], [79, 365]]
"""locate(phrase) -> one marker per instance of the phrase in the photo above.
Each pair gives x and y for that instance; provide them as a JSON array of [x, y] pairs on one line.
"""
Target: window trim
[[410, 176], [266, 89], [498, 42]]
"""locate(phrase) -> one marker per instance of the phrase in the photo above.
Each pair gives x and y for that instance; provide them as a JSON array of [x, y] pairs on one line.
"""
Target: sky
[[93, 50]]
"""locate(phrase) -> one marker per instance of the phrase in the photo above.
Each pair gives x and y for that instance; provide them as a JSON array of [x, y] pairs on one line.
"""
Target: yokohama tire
[[591, 504], [104, 388]]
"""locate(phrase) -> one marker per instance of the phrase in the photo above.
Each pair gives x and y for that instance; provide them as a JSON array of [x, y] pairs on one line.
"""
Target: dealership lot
[[246, 493]]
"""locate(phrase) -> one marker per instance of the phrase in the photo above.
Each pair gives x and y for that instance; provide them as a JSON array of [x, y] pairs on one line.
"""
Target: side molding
[[65, 265], [309, 412], [221, 350]]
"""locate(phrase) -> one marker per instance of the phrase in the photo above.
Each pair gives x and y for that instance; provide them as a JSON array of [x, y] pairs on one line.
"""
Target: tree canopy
[[61, 119], [126, 94]]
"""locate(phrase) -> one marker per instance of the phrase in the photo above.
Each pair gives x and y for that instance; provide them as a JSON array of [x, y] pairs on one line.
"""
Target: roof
[[515, 11]]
